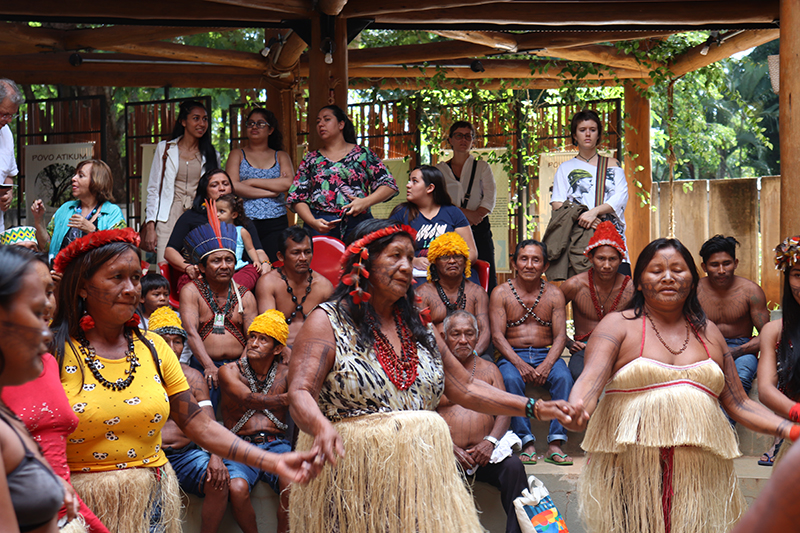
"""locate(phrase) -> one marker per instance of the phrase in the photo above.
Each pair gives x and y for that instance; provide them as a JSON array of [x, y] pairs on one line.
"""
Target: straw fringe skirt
[[398, 475], [128, 500], [76, 525]]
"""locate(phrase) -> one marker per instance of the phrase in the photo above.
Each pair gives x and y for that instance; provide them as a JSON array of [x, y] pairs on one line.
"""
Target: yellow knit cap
[[271, 323], [166, 321], [448, 244]]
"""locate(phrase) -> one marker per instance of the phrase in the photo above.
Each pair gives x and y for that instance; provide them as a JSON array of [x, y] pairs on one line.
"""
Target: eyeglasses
[[261, 124], [459, 136], [9, 116]]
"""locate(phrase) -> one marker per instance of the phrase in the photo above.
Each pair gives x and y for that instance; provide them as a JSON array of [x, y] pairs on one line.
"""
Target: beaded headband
[[211, 237], [360, 247], [92, 241], [450, 243], [18, 235], [271, 323], [787, 253], [165, 321], [606, 234]]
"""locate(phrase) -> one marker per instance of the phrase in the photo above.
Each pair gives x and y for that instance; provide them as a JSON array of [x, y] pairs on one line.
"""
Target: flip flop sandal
[[528, 458], [768, 461], [549, 459]]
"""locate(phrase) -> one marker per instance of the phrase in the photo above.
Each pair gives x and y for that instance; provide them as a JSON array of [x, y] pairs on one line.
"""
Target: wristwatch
[[491, 439]]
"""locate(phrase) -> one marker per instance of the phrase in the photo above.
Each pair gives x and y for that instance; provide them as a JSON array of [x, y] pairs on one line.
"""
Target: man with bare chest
[[528, 323], [479, 441], [735, 304], [215, 310], [597, 292], [448, 289], [255, 403], [293, 289]]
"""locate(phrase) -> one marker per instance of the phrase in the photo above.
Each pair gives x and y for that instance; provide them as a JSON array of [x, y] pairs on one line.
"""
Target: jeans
[[559, 383], [342, 229]]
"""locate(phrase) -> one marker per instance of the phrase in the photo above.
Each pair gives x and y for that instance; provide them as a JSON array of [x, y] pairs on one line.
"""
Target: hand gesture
[[356, 206], [528, 373], [329, 443], [6, 195], [588, 220], [542, 371], [212, 376], [217, 474], [37, 208], [193, 271], [555, 409], [464, 458], [257, 266], [481, 452], [71, 503], [299, 467], [420, 263], [149, 237], [576, 346], [324, 226], [77, 221], [579, 418]]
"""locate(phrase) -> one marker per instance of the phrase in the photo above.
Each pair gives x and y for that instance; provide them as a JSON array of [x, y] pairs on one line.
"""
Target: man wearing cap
[[215, 310], [24, 236], [199, 472], [596, 292], [254, 401], [448, 288]]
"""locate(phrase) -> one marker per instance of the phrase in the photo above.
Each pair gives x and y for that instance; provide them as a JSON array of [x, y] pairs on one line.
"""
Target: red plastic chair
[[483, 273], [327, 257], [172, 276]]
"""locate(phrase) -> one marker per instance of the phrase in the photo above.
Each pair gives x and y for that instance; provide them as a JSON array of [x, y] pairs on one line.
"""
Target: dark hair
[[530, 242], [786, 355], [581, 116], [431, 176], [237, 206], [153, 281], [358, 313], [101, 182], [717, 244], [15, 261], [349, 131], [205, 144], [201, 195], [71, 307], [461, 124], [691, 307], [276, 137], [297, 234]]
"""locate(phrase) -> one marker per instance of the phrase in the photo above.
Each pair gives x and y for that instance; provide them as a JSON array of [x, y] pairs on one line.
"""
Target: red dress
[[42, 405]]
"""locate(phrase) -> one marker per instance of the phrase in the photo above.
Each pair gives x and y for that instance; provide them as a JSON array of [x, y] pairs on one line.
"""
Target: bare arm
[[466, 234], [556, 205], [250, 310], [498, 320], [559, 329], [759, 314], [484, 329], [481, 452], [264, 295], [250, 249], [318, 224], [175, 259], [237, 392], [767, 375], [190, 318], [313, 355]]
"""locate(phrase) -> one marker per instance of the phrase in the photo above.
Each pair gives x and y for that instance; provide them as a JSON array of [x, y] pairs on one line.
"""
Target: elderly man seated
[[482, 443]]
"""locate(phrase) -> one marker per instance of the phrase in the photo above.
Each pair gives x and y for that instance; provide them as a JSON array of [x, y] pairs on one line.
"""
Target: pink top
[[42, 406]]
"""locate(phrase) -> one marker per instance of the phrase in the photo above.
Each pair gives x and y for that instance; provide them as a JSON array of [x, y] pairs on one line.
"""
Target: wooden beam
[[331, 7], [370, 8], [602, 55], [140, 79], [23, 36], [637, 154], [694, 59], [300, 7], [789, 121], [415, 84], [565, 39], [288, 56], [232, 58], [506, 42], [327, 82], [100, 38], [684, 13]]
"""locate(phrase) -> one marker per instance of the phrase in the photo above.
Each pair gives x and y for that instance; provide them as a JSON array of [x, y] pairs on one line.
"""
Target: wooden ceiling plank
[[300, 7], [506, 42], [165, 50], [100, 38], [693, 58], [371, 8], [602, 55]]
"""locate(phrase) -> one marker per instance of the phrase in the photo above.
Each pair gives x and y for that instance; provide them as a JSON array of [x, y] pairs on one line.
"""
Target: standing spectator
[[91, 211], [336, 185], [262, 175], [10, 100], [471, 186], [576, 181], [175, 173]]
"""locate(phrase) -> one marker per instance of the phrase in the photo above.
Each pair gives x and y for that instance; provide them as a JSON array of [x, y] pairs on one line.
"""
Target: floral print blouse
[[328, 186]]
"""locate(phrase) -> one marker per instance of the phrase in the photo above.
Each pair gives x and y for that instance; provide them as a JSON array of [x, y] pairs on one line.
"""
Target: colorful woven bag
[[536, 512]]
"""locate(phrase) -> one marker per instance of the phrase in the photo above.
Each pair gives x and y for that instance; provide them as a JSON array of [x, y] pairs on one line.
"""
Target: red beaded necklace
[[402, 371], [599, 310]]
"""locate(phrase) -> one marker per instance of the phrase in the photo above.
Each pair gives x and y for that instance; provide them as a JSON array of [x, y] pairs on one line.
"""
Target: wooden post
[[280, 100], [789, 119], [637, 146], [327, 83]]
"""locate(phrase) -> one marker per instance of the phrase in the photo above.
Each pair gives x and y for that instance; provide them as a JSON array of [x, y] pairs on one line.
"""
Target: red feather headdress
[[92, 241]]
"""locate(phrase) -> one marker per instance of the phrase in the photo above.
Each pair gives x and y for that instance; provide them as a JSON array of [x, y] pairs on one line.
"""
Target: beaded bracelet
[[794, 413], [530, 412]]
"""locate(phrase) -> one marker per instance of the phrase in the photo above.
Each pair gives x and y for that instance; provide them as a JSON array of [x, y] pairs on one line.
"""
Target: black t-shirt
[[192, 219]]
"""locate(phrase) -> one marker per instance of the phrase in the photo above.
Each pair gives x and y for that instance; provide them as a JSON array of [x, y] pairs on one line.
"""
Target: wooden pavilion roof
[[133, 48]]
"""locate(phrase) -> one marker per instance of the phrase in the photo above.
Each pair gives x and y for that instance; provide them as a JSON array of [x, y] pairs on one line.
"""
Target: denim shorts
[[190, 464], [253, 475]]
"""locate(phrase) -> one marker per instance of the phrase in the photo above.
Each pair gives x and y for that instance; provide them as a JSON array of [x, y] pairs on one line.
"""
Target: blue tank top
[[262, 208]]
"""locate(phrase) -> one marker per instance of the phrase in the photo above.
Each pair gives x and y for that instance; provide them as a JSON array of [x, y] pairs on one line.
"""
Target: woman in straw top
[[660, 448], [123, 384], [779, 364], [365, 378]]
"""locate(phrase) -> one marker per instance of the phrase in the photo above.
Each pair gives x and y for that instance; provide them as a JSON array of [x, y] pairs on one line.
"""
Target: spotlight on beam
[[476, 66]]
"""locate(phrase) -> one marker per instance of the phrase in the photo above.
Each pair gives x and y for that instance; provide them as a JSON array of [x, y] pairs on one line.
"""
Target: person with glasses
[[175, 173], [262, 173], [471, 186], [10, 100]]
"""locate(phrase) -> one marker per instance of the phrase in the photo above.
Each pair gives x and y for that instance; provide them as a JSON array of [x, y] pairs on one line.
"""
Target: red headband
[[92, 241]]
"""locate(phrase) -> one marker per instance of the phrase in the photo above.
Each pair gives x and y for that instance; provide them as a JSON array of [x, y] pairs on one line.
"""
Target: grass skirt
[[398, 475], [76, 525], [128, 500]]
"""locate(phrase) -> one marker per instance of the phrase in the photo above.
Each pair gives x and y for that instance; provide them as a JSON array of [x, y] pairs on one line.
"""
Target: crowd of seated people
[[245, 286]]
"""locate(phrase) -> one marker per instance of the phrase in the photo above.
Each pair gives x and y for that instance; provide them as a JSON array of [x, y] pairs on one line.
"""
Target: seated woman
[[428, 210], [92, 210], [30, 493], [123, 384], [779, 364], [212, 185]]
